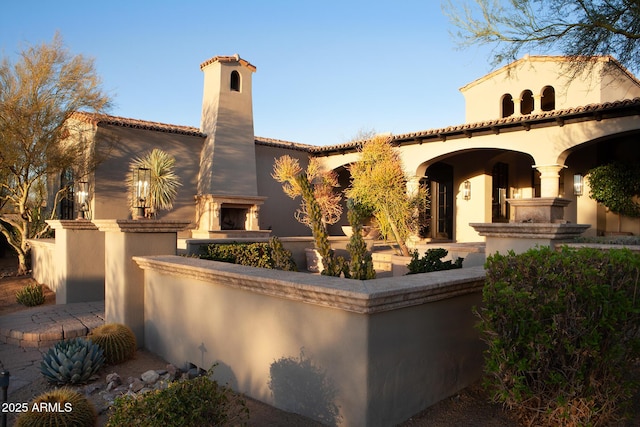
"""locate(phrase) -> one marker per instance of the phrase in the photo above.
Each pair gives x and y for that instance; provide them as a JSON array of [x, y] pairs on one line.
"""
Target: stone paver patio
[[27, 334]]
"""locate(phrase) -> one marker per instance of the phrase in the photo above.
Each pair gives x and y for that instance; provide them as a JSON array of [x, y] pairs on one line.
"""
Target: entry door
[[499, 205], [441, 177]]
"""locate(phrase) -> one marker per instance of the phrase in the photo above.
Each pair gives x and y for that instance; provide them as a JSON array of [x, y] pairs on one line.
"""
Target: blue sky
[[325, 69]]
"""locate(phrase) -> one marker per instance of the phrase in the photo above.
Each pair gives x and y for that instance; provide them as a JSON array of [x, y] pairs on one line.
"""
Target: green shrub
[[197, 402], [432, 261], [265, 255], [72, 361], [562, 330], [31, 295]]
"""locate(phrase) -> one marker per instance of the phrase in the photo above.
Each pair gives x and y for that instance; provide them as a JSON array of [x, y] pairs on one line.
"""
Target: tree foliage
[[575, 28], [616, 185], [379, 182], [38, 94]]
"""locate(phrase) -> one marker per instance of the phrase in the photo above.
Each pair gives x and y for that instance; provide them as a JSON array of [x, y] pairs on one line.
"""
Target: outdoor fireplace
[[223, 216]]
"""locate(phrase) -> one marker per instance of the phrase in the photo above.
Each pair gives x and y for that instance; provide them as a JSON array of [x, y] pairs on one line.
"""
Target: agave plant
[[72, 361], [164, 184]]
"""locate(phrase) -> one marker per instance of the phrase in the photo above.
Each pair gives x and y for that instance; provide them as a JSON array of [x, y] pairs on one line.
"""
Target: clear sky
[[325, 69]]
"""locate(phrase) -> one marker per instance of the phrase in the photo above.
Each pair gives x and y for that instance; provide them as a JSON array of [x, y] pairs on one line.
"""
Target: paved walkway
[[27, 334]]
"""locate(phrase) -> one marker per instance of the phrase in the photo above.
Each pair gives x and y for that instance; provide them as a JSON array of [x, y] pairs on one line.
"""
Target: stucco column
[[549, 179], [537, 104], [516, 107], [124, 280], [78, 261]]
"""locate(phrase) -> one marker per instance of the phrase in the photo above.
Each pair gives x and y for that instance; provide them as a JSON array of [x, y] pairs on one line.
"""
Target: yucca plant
[[164, 184], [73, 361]]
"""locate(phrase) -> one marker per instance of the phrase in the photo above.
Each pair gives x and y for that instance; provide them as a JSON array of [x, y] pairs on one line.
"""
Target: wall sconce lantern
[[82, 198], [466, 190], [578, 184], [517, 193], [141, 190]]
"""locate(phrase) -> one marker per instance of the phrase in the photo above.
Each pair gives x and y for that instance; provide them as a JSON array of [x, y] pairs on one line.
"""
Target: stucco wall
[[483, 96], [42, 264], [110, 201], [277, 212], [382, 350]]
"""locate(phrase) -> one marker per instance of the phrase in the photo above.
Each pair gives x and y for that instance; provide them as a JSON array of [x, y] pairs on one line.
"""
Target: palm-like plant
[[164, 184]]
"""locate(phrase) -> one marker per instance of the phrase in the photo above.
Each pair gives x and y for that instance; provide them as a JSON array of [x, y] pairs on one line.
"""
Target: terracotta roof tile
[[234, 58], [624, 107], [106, 119]]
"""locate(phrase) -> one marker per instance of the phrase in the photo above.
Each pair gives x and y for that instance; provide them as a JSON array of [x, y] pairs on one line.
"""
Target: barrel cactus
[[117, 341], [72, 361], [60, 407]]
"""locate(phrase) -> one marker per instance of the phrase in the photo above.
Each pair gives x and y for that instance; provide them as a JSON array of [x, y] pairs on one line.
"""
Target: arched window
[[548, 100], [526, 102], [507, 105], [235, 81]]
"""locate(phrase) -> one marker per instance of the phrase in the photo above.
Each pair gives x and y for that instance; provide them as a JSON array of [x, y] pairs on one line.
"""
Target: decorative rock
[[150, 376], [91, 388], [136, 386], [113, 378], [173, 371]]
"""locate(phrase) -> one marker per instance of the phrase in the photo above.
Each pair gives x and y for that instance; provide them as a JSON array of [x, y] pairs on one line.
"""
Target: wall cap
[[358, 296], [141, 225]]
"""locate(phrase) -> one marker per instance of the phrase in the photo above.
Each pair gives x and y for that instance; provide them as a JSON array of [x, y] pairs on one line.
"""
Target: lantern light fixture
[[82, 198], [141, 191], [578, 184], [466, 190]]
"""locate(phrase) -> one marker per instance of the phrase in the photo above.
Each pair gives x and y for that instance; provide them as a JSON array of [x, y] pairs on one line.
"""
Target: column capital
[[549, 179]]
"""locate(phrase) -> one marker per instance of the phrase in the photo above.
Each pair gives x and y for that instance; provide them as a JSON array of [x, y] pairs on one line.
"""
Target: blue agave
[[72, 362]]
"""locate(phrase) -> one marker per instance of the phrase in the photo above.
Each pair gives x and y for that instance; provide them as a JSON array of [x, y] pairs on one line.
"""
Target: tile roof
[[270, 142], [547, 118], [555, 117], [98, 119], [234, 58]]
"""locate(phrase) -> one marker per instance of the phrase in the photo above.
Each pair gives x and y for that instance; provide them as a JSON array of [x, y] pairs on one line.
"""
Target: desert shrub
[[60, 407], [265, 255], [196, 402], [31, 295], [116, 340], [562, 333], [432, 261], [72, 361], [282, 258]]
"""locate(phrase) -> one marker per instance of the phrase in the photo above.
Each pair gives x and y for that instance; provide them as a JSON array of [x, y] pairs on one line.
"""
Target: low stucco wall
[[42, 262], [377, 351]]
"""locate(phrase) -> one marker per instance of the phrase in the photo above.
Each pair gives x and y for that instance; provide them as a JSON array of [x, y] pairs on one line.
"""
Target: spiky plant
[[60, 407], [73, 361], [117, 341], [31, 295], [164, 184]]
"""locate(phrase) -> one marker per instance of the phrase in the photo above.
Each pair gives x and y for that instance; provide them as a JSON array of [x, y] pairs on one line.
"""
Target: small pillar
[[78, 261], [124, 280], [549, 179]]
